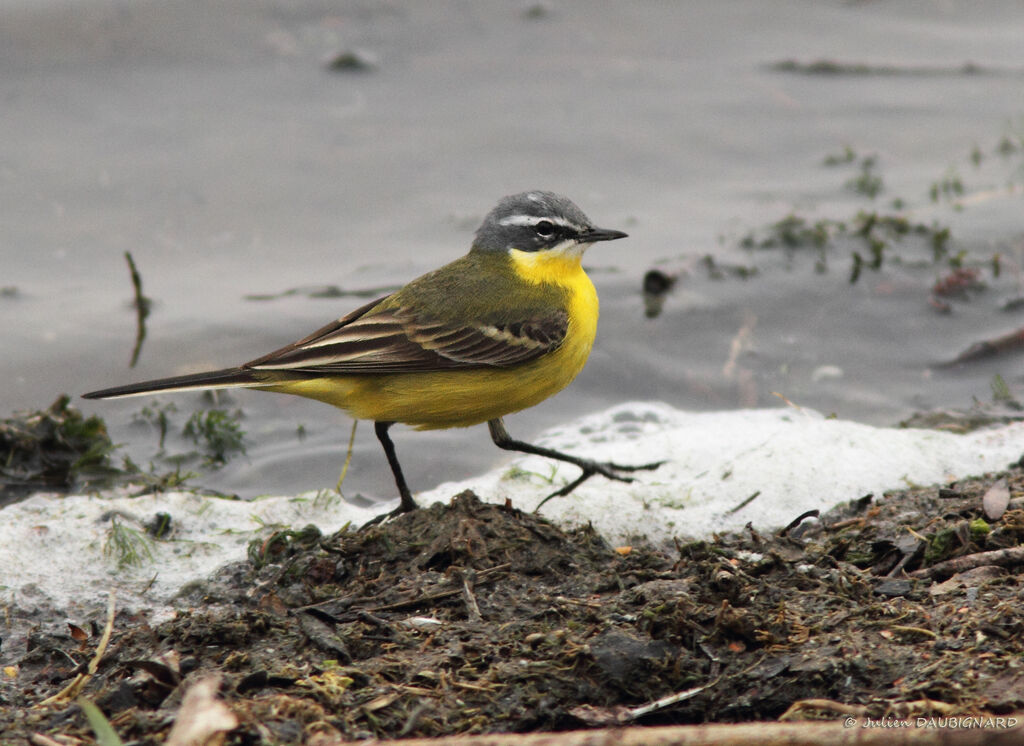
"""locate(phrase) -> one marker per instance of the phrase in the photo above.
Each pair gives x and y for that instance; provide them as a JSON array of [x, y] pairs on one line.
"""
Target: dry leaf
[[600, 716], [996, 499], [202, 719], [380, 702], [969, 579]]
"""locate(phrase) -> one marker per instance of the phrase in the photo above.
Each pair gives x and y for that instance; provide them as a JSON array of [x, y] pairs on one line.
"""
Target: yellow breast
[[581, 297]]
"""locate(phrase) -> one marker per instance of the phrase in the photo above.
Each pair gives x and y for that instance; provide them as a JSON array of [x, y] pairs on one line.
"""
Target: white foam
[[52, 548], [796, 459], [55, 551]]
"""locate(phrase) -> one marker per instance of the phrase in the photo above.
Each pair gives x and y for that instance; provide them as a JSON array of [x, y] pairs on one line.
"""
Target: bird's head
[[541, 222]]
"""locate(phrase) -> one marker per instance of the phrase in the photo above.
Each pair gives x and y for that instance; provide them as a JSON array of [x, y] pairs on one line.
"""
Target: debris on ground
[[477, 618], [51, 449]]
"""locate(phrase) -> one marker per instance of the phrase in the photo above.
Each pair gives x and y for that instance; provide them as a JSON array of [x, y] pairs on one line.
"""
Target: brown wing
[[398, 340]]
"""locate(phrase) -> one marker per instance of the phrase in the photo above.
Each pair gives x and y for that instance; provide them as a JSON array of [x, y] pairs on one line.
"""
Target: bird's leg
[[407, 504], [503, 440]]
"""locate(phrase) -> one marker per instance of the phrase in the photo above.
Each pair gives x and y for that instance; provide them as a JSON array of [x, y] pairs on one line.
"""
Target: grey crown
[[531, 221]]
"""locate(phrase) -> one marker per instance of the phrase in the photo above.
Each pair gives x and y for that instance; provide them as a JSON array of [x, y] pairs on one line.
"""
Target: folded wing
[[397, 340]]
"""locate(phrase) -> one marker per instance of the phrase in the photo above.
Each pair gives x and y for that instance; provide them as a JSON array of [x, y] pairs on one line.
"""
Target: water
[[211, 142]]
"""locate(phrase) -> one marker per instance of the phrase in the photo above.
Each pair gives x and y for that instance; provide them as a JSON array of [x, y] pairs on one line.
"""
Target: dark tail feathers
[[214, 379]]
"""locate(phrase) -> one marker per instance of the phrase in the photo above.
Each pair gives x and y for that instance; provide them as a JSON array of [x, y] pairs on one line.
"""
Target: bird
[[493, 332]]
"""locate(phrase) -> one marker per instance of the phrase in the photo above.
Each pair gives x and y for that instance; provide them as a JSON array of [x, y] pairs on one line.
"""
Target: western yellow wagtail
[[496, 331]]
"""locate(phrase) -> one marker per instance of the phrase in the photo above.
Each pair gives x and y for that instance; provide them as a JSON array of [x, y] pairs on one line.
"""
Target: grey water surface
[[245, 174]]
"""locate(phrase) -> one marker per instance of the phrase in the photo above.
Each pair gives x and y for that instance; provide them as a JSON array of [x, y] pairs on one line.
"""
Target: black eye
[[544, 229]]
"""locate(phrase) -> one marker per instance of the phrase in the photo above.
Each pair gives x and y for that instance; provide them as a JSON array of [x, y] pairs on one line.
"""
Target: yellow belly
[[460, 398]]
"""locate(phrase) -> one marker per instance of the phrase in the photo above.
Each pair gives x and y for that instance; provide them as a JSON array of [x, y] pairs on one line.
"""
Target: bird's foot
[[405, 506], [605, 469]]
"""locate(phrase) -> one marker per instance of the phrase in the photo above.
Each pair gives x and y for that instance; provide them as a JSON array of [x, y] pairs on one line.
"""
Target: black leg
[[502, 439], [407, 504]]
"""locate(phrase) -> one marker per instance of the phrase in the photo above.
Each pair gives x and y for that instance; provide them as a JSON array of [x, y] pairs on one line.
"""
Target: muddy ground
[[475, 618]]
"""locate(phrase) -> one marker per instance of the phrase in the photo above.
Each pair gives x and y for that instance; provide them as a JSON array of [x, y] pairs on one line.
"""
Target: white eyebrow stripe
[[534, 219]]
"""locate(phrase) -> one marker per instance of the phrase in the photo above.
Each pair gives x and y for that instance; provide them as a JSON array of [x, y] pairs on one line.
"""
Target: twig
[[739, 343], [913, 631], [788, 403], [576, 602], [78, 683], [743, 504], [94, 664], [988, 348], [846, 523], [40, 740], [826, 705], [141, 304], [376, 621], [798, 520], [348, 455], [660, 704], [413, 719], [1002, 557], [735, 734], [468, 577], [897, 570]]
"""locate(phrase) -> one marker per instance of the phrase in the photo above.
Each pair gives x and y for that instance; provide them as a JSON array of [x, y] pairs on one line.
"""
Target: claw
[[383, 517], [502, 439], [607, 470], [636, 467]]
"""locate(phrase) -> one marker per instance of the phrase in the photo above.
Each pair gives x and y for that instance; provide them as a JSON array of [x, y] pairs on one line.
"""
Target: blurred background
[[829, 194]]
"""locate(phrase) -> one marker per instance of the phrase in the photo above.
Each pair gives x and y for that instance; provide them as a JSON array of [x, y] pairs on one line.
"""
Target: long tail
[[215, 379]]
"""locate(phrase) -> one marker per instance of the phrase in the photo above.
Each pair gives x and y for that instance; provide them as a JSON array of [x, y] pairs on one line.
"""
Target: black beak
[[593, 235]]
